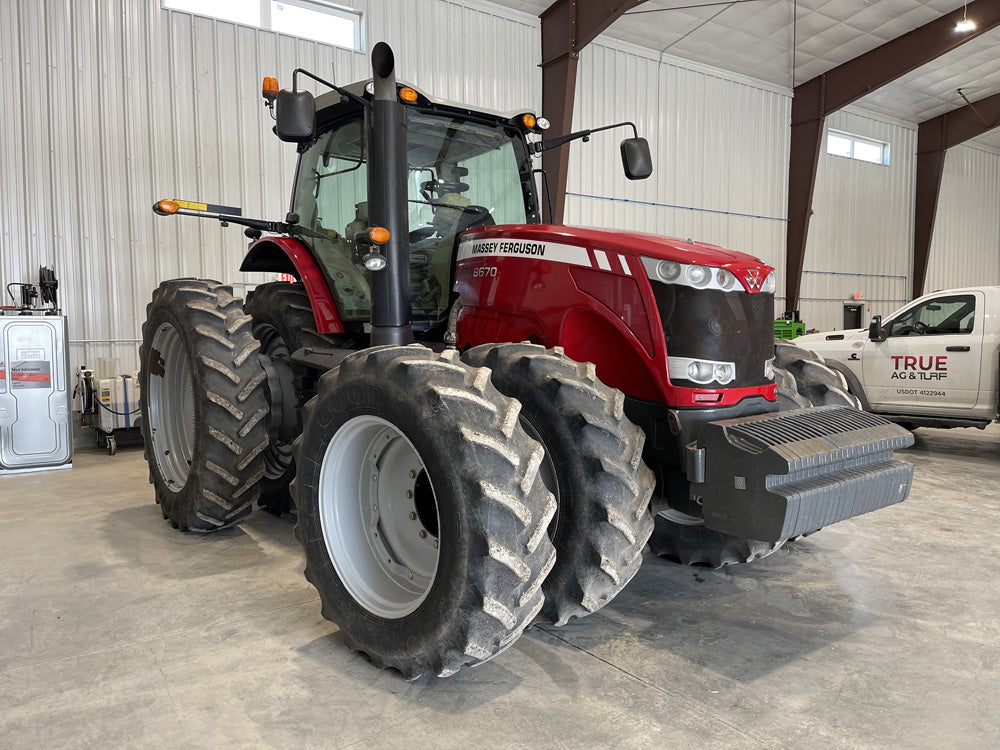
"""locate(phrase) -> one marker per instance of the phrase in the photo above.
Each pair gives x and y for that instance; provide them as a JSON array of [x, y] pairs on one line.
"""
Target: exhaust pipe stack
[[385, 122]]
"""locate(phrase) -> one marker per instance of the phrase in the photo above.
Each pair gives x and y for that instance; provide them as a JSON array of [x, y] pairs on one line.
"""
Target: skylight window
[[318, 20], [839, 143]]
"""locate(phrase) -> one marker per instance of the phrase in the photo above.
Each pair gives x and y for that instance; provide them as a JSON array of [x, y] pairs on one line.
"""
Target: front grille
[[709, 324]]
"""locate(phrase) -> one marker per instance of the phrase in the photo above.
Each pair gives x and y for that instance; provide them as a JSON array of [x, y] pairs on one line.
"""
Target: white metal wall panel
[[719, 143], [116, 103], [861, 231], [965, 248]]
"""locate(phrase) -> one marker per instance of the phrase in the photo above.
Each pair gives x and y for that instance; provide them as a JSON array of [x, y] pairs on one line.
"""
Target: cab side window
[[937, 317]]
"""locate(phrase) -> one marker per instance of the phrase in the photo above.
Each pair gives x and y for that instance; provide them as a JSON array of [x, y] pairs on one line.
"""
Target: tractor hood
[[629, 243]]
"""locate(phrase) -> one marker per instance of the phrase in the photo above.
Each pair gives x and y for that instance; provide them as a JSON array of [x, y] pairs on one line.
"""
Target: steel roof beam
[[934, 138], [844, 84], [567, 27]]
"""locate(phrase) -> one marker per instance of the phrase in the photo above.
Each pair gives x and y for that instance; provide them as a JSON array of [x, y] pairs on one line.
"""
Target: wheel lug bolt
[[409, 493], [413, 515], [435, 544], [413, 474], [423, 534]]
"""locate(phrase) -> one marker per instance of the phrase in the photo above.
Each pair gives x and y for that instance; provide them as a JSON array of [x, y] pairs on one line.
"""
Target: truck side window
[[940, 316]]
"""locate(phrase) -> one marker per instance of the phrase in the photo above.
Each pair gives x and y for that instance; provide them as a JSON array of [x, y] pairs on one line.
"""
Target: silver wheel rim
[[171, 408], [378, 517]]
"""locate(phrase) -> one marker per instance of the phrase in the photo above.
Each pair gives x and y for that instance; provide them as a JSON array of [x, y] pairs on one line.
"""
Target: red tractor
[[483, 419]]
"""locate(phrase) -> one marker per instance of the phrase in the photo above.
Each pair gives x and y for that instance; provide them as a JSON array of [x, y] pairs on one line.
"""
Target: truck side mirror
[[636, 158], [295, 116], [875, 331]]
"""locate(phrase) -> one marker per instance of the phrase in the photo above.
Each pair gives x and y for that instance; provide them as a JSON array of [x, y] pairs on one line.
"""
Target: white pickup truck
[[933, 363]]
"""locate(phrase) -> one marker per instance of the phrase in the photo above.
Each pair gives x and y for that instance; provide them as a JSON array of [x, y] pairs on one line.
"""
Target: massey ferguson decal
[[507, 248], [909, 367]]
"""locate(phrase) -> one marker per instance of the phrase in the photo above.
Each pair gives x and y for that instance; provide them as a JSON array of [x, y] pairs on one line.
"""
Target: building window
[[839, 143], [309, 19]]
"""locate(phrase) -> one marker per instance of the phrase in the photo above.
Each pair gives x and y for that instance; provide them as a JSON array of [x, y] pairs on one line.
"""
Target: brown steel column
[[930, 167], [825, 94], [934, 138], [808, 116], [567, 27]]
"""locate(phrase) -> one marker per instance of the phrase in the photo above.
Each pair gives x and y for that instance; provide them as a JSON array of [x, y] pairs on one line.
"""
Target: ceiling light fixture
[[965, 25]]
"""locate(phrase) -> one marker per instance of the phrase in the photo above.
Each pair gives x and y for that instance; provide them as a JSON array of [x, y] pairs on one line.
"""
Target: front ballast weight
[[772, 477]]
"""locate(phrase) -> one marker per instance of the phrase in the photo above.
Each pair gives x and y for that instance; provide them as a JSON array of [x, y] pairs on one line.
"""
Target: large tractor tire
[[282, 322], [593, 465], [421, 511], [804, 381], [203, 404]]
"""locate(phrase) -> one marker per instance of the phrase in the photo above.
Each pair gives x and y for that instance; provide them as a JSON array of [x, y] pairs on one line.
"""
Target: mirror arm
[[343, 92], [539, 146]]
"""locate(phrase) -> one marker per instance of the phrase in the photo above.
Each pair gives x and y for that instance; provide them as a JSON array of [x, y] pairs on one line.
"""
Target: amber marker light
[[408, 95], [378, 235], [269, 89], [168, 207], [529, 120]]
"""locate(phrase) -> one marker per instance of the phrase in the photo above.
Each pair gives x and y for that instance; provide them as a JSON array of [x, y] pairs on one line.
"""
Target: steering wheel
[[920, 327]]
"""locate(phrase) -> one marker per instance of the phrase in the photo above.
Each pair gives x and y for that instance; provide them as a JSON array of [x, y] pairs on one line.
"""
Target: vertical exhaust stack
[[385, 122]]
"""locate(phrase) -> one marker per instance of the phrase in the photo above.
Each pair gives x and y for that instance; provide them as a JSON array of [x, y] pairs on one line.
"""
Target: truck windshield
[[462, 174]]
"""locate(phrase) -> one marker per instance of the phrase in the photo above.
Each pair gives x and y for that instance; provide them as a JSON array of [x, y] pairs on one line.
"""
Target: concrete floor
[[882, 631]]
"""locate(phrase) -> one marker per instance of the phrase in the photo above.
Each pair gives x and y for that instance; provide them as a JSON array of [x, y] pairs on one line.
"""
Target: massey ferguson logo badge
[[753, 280]]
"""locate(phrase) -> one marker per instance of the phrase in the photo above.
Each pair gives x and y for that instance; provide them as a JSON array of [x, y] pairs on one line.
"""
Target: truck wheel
[[420, 510], [804, 381], [202, 404], [282, 322], [593, 465]]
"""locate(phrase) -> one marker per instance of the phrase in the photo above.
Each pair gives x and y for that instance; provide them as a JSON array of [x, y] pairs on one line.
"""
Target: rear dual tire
[[203, 404], [283, 322]]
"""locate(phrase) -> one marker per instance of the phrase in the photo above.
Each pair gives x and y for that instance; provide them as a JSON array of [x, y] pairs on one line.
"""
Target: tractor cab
[[465, 169]]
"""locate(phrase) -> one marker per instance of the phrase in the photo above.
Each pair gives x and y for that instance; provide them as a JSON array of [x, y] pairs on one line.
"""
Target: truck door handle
[[956, 348]]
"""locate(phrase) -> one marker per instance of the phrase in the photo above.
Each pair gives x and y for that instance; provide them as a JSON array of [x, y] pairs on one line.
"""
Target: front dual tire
[[421, 510]]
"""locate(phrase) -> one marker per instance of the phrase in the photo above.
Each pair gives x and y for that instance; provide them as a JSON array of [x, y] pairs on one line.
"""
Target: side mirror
[[636, 158], [875, 331], [295, 116]]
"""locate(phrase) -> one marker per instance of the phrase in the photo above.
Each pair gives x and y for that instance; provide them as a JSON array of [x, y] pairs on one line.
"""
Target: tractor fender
[[853, 383], [289, 255]]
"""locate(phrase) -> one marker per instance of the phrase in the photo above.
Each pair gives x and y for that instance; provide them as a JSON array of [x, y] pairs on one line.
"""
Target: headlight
[[769, 369], [698, 275], [668, 271], [701, 371], [725, 279], [770, 284]]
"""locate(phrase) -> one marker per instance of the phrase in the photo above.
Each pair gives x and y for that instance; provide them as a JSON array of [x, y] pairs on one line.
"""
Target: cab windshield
[[462, 174]]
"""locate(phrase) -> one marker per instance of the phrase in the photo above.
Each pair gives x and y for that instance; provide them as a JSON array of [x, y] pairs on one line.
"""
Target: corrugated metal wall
[[965, 248], [113, 104], [719, 144], [861, 231]]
